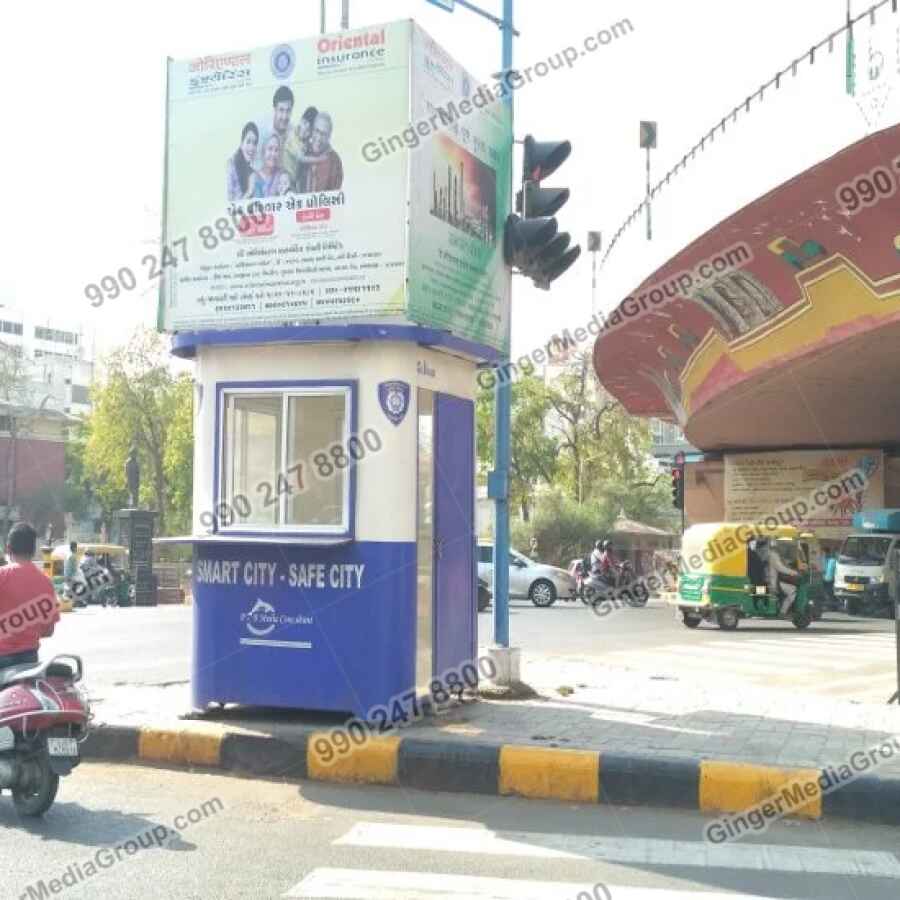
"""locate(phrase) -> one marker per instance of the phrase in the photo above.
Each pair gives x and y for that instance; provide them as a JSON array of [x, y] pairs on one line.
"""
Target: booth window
[[271, 441]]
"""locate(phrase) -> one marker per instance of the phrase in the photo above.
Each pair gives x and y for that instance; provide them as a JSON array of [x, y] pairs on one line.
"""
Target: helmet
[[606, 545], [598, 545]]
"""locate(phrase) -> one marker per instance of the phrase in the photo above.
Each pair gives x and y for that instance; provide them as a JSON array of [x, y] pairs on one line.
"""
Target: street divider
[[541, 773]]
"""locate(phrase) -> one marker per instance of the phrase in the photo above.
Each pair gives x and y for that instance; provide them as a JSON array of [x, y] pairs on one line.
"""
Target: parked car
[[539, 583]]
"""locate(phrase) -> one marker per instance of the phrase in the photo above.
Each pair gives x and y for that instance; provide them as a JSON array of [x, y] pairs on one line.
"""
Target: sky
[[83, 102]]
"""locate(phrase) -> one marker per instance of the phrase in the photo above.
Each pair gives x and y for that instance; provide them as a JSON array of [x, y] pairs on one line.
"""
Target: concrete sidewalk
[[594, 734]]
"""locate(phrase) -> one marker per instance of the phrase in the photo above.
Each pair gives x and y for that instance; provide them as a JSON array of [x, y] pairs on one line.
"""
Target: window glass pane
[[252, 452], [315, 425]]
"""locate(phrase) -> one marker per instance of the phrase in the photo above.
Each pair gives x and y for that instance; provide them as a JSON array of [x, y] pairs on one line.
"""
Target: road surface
[[269, 840]]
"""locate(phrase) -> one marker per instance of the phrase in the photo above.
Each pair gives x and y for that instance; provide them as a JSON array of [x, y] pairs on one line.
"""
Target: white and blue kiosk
[[342, 585], [335, 337]]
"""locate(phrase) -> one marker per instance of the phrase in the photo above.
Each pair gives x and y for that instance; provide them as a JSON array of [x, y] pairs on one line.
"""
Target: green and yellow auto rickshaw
[[723, 575]]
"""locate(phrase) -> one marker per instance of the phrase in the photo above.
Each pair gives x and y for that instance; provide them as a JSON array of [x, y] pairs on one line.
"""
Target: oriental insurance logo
[[346, 50]]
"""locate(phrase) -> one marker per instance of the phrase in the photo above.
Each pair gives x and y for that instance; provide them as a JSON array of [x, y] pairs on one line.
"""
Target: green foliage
[[565, 530], [600, 443], [77, 488], [578, 461], [533, 452], [141, 402], [178, 461]]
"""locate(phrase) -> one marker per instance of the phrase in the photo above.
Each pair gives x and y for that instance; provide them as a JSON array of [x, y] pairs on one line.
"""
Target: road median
[[563, 774]]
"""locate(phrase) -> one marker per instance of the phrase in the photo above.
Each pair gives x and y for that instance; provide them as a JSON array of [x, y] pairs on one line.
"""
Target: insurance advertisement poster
[[272, 213], [459, 200], [819, 490]]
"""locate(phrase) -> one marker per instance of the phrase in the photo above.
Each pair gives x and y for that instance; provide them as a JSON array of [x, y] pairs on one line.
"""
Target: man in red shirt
[[28, 605]]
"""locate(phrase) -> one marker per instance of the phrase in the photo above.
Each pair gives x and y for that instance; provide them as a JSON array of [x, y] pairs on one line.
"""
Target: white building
[[60, 355]]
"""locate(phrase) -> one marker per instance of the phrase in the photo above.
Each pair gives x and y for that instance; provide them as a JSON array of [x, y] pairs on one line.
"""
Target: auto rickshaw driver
[[777, 573]]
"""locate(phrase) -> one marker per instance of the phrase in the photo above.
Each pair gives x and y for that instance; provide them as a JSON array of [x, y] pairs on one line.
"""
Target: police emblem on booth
[[394, 399]]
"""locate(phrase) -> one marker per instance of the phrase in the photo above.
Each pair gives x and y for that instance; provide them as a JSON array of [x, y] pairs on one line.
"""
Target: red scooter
[[44, 715]]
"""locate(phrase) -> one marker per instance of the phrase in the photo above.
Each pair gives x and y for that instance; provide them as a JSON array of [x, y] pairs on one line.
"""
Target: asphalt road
[[849, 658], [264, 839]]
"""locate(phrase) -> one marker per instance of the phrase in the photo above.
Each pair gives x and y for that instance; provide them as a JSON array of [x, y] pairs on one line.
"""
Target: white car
[[541, 584]]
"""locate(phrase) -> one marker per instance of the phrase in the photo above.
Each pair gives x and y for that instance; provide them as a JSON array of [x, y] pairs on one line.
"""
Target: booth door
[[454, 533]]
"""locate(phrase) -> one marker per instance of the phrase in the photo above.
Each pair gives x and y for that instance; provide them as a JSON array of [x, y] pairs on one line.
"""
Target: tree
[[141, 402], [532, 452], [604, 453]]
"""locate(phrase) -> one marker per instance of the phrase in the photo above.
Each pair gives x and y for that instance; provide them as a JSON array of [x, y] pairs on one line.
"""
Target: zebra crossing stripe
[[377, 884], [632, 851]]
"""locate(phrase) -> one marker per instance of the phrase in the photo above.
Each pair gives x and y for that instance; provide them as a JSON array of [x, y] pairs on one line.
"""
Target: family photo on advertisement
[[275, 158]]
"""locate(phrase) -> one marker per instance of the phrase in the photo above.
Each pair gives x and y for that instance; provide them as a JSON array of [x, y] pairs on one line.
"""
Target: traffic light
[[532, 242], [678, 488]]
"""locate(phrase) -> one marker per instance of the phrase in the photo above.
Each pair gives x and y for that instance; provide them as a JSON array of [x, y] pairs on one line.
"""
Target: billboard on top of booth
[[358, 176]]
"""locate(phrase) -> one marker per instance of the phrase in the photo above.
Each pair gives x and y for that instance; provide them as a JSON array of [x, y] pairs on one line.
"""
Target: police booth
[[335, 329]]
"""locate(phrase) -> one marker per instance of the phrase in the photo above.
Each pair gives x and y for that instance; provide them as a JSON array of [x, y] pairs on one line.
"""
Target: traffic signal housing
[[532, 242], [678, 488]]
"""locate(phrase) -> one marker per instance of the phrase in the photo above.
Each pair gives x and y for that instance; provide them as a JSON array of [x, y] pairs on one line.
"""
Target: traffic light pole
[[502, 426]]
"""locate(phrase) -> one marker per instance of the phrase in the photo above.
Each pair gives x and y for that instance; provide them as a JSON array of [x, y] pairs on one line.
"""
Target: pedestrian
[[26, 596], [70, 564], [828, 576], [534, 546]]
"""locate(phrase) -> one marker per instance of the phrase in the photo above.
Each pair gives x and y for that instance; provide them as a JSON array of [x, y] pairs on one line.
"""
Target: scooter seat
[[29, 671]]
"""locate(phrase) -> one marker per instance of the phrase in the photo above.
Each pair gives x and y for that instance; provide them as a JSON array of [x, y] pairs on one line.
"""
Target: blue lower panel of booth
[[320, 628]]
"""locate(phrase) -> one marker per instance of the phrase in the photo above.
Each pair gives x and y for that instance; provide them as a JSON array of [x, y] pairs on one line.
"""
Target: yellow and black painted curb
[[574, 776]]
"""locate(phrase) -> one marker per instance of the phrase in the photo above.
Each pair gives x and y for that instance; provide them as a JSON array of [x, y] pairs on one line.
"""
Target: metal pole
[[649, 232], [502, 425], [894, 588], [345, 14], [322, 16]]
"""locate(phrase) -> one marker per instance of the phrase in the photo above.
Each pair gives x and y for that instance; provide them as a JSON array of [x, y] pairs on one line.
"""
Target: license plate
[[856, 587], [62, 746]]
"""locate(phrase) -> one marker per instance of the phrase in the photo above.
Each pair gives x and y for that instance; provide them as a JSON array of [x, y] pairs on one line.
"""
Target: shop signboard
[[819, 490]]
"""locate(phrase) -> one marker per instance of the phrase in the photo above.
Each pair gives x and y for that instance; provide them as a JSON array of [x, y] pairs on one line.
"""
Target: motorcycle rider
[[596, 558], [606, 563], [28, 606]]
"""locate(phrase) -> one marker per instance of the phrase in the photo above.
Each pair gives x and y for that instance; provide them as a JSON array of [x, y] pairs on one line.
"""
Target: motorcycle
[[597, 587], [44, 715]]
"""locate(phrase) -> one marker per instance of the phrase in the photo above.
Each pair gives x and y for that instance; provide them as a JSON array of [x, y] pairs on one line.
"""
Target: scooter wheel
[[35, 799]]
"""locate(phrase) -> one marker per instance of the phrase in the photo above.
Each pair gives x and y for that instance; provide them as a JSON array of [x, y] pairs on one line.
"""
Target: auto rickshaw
[[723, 578], [110, 557]]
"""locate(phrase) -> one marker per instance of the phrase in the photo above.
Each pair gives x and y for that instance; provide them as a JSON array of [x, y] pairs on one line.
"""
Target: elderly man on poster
[[324, 172]]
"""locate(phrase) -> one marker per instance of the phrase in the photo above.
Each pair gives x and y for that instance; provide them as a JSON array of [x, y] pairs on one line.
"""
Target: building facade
[[59, 359]]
